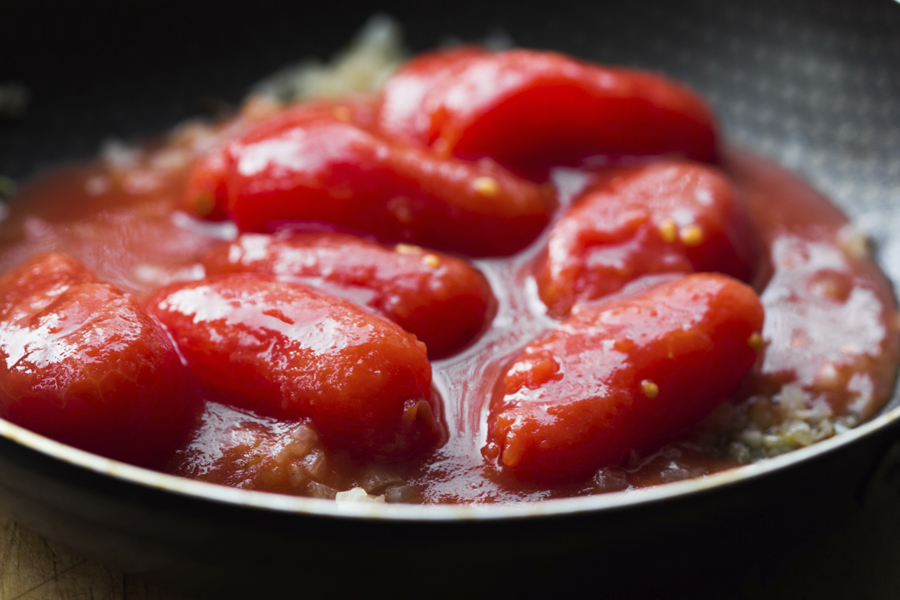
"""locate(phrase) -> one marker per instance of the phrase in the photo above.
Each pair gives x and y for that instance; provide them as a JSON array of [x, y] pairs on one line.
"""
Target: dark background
[[813, 84]]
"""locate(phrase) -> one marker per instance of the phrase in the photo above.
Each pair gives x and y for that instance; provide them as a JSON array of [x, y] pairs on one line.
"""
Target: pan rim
[[253, 500]]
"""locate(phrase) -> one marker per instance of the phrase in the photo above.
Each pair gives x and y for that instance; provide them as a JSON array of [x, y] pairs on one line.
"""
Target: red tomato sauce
[[828, 348]]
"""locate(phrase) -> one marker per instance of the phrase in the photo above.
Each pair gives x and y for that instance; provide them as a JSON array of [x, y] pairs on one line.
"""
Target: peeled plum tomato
[[287, 351], [330, 171], [661, 218], [81, 362], [831, 333], [440, 299], [624, 374], [206, 191], [829, 328], [531, 111]]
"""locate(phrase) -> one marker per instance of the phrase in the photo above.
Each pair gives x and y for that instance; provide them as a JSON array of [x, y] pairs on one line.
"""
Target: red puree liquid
[[581, 377], [830, 329]]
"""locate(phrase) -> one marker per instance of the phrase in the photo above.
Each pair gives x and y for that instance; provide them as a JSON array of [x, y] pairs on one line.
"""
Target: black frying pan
[[813, 85]]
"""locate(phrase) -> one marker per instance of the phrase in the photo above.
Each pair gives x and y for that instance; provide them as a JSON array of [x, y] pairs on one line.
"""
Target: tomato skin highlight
[[623, 374], [334, 172], [667, 217], [83, 363], [206, 190], [531, 110], [320, 163], [287, 351], [440, 299]]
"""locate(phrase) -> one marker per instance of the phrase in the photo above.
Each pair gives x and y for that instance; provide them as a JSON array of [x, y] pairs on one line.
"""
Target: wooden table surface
[[32, 568]]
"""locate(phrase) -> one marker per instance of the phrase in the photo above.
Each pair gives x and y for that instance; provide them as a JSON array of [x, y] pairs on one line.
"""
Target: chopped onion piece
[[357, 494]]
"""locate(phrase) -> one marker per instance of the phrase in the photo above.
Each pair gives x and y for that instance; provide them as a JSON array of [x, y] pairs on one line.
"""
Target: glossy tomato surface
[[285, 350], [624, 375], [531, 110], [664, 217], [84, 364], [440, 299], [306, 167]]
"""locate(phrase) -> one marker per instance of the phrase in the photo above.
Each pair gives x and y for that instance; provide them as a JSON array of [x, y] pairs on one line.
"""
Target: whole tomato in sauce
[[206, 190], [830, 330], [532, 110], [288, 351], [309, 167], [659, 218], [628, 373], [440, 299], [83, 363]]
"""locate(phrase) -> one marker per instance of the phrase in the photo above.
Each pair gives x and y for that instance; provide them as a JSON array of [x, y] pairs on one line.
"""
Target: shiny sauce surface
[[831, 344]]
